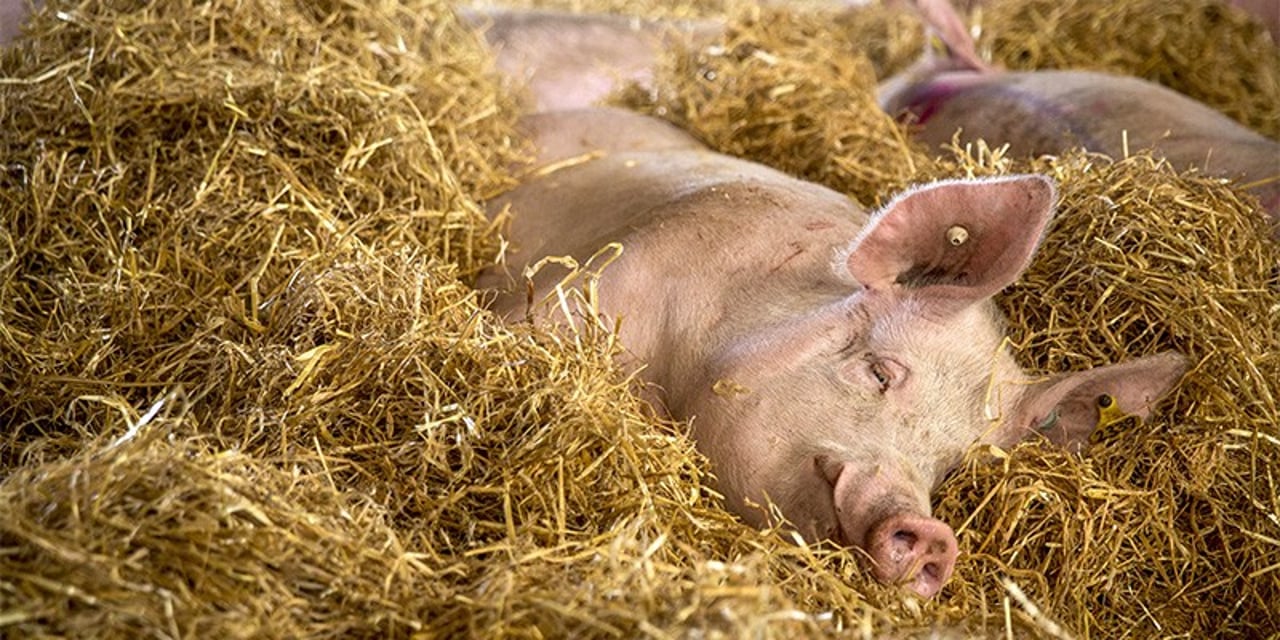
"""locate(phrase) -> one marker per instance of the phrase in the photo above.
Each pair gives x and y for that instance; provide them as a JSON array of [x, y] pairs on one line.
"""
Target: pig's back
[[1047, 112], [693, 196], [675, 209], [561, 136]]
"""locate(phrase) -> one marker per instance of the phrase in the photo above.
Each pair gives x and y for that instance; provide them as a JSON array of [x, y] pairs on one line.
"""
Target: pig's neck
[[753, 259]]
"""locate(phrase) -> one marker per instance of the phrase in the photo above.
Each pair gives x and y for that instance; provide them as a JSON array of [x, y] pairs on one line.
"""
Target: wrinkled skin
[[1049, 112], [834, 362]]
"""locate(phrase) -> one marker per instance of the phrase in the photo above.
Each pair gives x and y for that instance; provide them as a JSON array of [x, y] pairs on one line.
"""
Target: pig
[[568, 60], [833, 362], [1049, 112]]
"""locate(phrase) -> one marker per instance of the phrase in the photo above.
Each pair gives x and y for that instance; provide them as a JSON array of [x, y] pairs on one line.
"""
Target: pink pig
[[833, 362], [1048, 112], [569, 60]]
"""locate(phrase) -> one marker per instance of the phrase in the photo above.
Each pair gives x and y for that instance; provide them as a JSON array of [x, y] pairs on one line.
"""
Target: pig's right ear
[[951, 244], [1067, 408]]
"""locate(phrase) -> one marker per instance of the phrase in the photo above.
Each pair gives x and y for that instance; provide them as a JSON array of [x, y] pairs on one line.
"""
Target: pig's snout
[[875, 510], [912, 549]]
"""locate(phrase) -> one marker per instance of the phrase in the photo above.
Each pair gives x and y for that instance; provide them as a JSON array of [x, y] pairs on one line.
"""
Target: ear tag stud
[[957, 235], [1109, 411]]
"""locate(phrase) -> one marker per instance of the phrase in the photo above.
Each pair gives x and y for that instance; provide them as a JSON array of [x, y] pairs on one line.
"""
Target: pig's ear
[[1066, 409], [941, 19], [954, 243]]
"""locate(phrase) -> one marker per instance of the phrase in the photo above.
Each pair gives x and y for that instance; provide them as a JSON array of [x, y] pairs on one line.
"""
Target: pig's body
[[570, 60], [1049, 112], [835, 363], [13, 14]]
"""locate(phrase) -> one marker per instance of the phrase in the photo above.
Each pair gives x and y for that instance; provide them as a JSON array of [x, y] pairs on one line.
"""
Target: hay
[[171, 165], [1166, 527], [251, 394], [773, 92], [159, 535]]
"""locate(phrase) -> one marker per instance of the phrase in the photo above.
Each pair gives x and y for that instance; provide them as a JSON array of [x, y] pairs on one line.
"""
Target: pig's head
[[846, 415]]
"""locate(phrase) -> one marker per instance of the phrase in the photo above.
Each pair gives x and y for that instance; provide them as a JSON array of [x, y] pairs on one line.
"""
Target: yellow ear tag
[[1109, 411]]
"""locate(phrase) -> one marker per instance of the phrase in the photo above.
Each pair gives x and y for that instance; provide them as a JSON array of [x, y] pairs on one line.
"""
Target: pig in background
[[566, 68], [1048, 112], [834, 362]]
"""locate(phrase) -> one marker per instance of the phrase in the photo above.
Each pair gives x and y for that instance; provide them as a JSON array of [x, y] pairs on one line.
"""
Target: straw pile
[[249, 391]]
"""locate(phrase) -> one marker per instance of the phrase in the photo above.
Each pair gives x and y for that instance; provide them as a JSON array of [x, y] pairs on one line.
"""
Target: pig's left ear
[[954, 243], [1067, 408]]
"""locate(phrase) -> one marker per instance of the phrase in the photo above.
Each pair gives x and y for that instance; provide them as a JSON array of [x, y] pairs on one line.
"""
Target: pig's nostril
[[906, 538], [916, 550], [931, 570]]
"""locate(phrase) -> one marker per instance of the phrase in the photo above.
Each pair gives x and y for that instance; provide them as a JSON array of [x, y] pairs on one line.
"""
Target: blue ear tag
[[1050, 421]]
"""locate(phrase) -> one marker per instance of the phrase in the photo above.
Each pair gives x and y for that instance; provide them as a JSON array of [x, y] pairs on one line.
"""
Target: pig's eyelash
[[881, 373]]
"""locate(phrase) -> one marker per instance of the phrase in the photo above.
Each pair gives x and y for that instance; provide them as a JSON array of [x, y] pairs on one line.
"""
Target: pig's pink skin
[[831, 361], [1049, 112], [574, 60]]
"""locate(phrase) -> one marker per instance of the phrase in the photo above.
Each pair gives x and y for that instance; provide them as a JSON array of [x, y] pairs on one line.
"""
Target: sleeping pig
[[834, 362], [1048, 112]]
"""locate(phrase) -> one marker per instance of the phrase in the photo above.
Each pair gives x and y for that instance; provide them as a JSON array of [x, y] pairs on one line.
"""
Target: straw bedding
[[248, 390]]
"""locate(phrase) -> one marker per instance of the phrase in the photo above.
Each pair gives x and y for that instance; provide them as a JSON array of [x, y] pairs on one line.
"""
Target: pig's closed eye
[[881, 373], [868, 369]]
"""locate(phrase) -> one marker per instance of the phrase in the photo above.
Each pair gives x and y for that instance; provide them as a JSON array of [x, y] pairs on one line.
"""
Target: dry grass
[[249, 391]]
